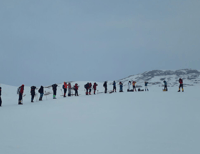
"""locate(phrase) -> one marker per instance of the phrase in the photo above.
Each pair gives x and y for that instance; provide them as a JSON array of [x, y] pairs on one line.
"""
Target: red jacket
[[90, 85], [94, 86], [180, 81], [65, 85], [76, 86], [22, 89]]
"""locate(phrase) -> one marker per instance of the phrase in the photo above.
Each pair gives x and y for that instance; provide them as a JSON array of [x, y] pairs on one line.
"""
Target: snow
[[153, 122]]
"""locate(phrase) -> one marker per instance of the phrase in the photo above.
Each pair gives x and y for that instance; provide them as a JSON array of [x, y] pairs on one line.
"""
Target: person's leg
[[20, 98], [0, 101], [32, 97]]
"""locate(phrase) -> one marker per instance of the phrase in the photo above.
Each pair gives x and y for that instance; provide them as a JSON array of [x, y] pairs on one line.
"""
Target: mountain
[[190, 77]]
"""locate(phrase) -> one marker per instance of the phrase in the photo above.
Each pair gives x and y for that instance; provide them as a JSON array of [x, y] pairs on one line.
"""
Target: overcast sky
[[51, 41]]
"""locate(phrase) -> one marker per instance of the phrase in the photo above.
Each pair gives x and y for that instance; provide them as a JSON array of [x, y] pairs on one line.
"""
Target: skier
[[86, 88], [32, 93], [20, 92], [54, 87], [0, 98], [134, 88], [69, 89], [121, 87], [114, 86], [181, 85], [95, 87], [76, 89], [165, 86], [146, 88], [105, 86], [129, 86], [65, 89], [41, 91]]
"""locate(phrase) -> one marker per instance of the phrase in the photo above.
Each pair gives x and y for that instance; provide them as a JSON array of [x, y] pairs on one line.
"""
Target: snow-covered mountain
[[152, 122], [190, 77]]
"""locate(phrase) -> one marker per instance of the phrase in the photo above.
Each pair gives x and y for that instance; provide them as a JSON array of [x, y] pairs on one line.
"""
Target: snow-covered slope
[[153, 122], [156, 77]]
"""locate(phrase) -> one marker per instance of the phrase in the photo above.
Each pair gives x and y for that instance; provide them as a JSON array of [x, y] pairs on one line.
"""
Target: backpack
[[63, 86], [18, 90]]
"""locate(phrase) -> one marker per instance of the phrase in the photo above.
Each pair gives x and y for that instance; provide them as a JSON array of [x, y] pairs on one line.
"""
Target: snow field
[[151, 122]]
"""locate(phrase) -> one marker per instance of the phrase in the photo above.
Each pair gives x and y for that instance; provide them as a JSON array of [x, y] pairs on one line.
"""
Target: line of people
[[88, 88], [121, 87]]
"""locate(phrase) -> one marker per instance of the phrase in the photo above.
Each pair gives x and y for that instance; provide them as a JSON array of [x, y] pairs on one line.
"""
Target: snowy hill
[[153, 122], [156, 77]]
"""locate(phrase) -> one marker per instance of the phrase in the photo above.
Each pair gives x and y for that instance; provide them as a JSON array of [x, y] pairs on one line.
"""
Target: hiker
[[134, 88], [120, 87], [105, 86], [86, 88], [20, 92], [165, 86], [32, 93], [181, 85], [65, 89], [54, 88], [69, 89], [145, 84], [129, 86], [114, 86], [95, 87], [90, 88], [76, 89], [0, 98], [41, 91]]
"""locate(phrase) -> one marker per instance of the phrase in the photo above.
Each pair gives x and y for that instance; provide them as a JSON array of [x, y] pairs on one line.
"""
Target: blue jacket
[[165, 83]]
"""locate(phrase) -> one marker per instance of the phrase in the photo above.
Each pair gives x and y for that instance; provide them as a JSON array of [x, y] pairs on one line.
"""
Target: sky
[[46, 41]]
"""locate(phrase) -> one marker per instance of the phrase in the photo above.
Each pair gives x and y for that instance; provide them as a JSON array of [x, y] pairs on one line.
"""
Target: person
[[134, 88], [65, 89], [20, 92], [95, 87], [90, 88], [54, 88], [114, 86], [32, 93], [145, 84], [165, 86], [41, 91], [76, 89], [86, 88], [120, 87], [181, 85], [69, 89], [0, 98], [105, 86], [129, 86]]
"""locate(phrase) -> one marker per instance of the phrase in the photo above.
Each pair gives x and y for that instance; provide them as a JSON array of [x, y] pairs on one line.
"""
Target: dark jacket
[[87, 86], [41, 90], [54, 87], [105, 84], [33, 90]]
